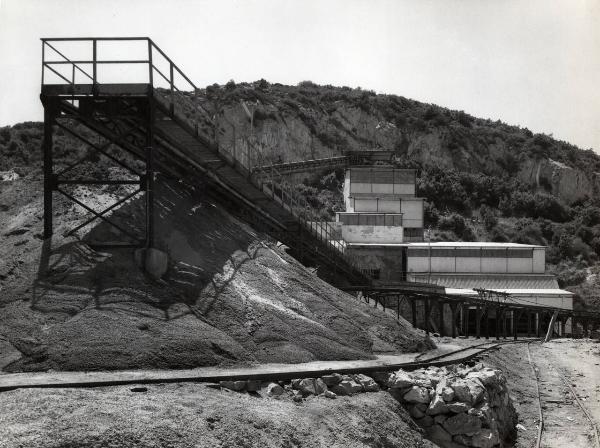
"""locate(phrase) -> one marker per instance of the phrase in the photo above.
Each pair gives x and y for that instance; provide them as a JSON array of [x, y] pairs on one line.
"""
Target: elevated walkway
[[149, 121]]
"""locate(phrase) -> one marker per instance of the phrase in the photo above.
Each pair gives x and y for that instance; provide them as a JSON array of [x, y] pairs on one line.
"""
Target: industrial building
[[382, 228]]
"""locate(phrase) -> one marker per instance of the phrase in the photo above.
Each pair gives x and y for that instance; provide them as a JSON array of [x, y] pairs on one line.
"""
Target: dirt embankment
[[194, 415], [230, 295]]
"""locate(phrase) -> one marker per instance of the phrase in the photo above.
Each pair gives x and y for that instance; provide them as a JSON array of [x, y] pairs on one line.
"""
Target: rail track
[[101, 379], [567, 383]]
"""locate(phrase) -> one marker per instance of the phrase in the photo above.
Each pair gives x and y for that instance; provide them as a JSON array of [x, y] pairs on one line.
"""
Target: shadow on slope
[[230, 296]]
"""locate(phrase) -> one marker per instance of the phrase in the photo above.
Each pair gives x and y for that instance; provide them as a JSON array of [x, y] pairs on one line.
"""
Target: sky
[[532, 63]]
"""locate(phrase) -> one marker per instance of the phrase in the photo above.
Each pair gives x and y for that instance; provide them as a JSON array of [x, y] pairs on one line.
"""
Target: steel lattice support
[[122, 123]]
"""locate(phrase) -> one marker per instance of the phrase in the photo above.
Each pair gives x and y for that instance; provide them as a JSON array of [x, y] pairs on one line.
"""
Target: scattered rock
[[237, 386], [274, 390], [400, 380], [311, 386], [332, 380], [447, 394], [139, 389], [382, 378], [253, 385], [368, 383], [347, 388], [330, 394]]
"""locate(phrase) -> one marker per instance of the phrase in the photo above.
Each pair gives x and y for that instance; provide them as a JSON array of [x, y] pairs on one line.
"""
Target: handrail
[[261, 173]]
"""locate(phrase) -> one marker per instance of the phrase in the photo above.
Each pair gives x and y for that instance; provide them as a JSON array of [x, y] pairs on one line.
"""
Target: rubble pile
[[458, 406]]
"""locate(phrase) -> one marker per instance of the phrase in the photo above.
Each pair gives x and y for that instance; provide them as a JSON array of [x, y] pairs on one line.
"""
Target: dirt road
[[565, 424]]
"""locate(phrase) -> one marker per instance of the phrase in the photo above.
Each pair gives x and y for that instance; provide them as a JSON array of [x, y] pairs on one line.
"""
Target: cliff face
[[308, 121]]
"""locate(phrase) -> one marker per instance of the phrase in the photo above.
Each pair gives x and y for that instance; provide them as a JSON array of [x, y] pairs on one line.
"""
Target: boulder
[[440, 419], [486, 438], [488, 377], [296, 383], [400, 380], [347, 388], [468, 390], [332, 380], [297, 397], [447, 394], [311, 386], [382, 378], [417, 394], [425, 422], [439, 435], [274, 390], [463, 424], [415, 412], [368, 383], [156, 263], [457, 407], [437, 405]]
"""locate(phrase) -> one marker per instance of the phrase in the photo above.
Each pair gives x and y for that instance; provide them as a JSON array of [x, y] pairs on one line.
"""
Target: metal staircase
[[148, 121]]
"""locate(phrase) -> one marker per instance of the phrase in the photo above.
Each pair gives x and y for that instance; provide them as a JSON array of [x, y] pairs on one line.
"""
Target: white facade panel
[[365, 205], [372, 234], [388, 206], [493, 264], [443, 264], [360, 187], [382, 188], [417, 264], [539, 260], [468, 264], [520, 265], [407, 189], [412, 212]]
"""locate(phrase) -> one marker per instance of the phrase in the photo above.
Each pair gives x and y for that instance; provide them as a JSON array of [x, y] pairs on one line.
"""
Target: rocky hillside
[[483, 179]]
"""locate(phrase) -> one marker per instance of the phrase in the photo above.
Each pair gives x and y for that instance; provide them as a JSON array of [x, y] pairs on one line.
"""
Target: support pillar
[[487, 322], [538, 332], [478, 322], [441, 317], [563, 324], [528, 323], [504, 329], [413, 306], [497, 326], [453, 313], [427, 316], [465, 322], [398, 307], [150, 179], [48, 171]]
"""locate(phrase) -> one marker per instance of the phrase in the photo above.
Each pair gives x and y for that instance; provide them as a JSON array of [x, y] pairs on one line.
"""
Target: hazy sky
[[534, 63]]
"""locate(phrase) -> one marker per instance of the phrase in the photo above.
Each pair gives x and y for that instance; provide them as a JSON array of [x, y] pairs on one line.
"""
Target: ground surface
[[565, 425], [190, 415], [230, 295]]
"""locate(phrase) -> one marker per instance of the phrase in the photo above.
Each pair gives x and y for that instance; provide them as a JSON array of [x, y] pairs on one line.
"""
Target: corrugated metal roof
[[487, 281], [471, 244]]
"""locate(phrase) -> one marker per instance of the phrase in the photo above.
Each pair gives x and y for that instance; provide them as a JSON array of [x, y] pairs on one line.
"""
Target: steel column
[[48, 170], [441, 317], [478, 322], [413, 306], [150, 177]]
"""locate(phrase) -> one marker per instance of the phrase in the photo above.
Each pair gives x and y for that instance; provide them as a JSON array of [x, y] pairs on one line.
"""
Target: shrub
[[457, 224]]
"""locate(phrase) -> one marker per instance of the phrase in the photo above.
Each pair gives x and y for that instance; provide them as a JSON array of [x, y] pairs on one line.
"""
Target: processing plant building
[[382, 228]]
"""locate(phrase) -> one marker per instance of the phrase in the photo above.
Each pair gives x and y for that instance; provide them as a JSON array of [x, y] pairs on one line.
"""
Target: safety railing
[[173, 89], [69, 58]]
